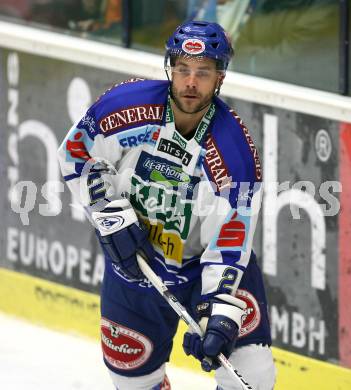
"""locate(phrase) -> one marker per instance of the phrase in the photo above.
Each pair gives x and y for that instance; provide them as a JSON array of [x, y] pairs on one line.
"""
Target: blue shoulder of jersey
[[130, 104], [231, 156]]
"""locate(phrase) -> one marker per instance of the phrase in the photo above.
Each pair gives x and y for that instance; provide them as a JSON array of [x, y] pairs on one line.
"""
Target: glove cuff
[[232, 300], [117, 215], [235, 313], [229, 306], [222, 305]]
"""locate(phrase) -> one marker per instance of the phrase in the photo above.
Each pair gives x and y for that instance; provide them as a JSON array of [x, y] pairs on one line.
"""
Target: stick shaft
[[186, 317]]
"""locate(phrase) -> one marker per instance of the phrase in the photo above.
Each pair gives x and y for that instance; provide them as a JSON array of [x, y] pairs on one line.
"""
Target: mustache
[[190, 92]]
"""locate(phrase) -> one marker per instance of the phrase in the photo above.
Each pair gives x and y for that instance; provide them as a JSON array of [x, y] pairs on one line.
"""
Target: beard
[[189, 106]]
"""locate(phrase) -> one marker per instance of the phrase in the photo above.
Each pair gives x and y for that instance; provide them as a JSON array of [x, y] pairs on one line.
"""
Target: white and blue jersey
[[199, 198]]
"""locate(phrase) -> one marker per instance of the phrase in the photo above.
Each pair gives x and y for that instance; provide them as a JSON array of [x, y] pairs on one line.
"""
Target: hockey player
[[167, 169]]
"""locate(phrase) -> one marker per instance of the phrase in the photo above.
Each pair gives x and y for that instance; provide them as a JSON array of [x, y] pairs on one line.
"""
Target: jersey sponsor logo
[[110, 223], [216, 165], [169, 175], [193, 46], [205, 123], [258, 166], [136, 137], [170, 243], [158, 203], [124, 348], [156, 134], [252, 318], [173, 149], [166, 210], [233, 233], [77, 146], [176, 137], [132, 116]]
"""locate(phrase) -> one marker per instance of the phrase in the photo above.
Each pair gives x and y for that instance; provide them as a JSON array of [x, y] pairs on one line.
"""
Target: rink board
[[75, 311], [302, 246], [301, 135]]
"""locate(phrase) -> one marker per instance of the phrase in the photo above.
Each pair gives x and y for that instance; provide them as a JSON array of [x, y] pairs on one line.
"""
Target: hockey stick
[[186, 317]]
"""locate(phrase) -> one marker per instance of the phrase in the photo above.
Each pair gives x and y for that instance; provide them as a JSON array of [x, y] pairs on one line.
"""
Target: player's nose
[[191, 81]]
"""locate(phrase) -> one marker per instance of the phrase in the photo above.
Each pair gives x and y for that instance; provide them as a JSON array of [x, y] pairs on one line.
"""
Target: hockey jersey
[[198, 198]]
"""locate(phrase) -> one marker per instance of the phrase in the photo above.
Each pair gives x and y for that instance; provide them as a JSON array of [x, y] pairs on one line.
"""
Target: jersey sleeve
[[232, 196], [87, 159], [124, 117]]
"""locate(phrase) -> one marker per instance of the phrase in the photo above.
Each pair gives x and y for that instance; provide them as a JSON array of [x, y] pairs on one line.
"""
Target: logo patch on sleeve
[[124, 348], [252, 317], [234, 232], [77, 146]]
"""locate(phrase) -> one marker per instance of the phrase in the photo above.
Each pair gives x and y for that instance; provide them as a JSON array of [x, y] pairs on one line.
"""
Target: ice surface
[[36, 358]]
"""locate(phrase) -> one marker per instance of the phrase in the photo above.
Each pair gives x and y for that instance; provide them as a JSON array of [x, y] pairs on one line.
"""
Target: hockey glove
[[220, 318], [121, 237]]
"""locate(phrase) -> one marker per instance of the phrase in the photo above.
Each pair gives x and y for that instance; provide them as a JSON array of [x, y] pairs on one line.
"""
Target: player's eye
[[203, 74], [182, 71]]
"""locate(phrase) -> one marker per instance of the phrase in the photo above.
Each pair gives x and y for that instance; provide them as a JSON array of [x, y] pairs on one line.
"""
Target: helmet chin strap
[[218, 88]]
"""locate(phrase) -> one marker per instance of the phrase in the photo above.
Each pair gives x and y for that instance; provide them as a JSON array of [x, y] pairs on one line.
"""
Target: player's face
[[194, 82]]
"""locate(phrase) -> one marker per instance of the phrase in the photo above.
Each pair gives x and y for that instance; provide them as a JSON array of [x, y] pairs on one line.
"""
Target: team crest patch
[[109, 223], [124, 348], [253, 315], [193, 46]]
